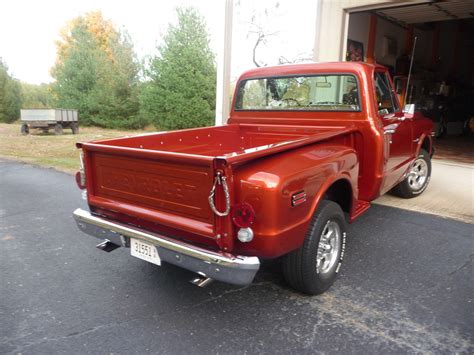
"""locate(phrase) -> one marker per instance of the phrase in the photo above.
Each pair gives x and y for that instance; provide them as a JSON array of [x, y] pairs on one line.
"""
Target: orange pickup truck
[[305, 149]]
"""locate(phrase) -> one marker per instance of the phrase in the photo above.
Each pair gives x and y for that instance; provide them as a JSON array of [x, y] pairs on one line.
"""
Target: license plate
[[144, 251]]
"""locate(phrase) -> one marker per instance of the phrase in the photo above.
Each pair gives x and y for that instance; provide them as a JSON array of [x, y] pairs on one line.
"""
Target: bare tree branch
[[257, 28], [254, 53], [300, 58]]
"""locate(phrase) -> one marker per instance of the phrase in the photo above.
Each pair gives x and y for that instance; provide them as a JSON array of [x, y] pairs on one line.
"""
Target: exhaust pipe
[[107, 246], [201, 281]]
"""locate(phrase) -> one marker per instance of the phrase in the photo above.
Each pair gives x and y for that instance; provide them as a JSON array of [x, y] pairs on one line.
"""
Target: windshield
[[332, 92]]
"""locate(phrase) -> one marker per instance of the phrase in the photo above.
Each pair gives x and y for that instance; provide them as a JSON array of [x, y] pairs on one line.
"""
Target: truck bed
[[162, 180], [226, 142]]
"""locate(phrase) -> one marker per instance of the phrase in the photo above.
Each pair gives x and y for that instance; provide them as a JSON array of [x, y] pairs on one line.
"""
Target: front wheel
[[417, 179], [313, 268]]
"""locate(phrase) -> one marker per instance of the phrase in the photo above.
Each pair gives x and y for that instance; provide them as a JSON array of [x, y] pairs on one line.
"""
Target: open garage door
[[442, 81]]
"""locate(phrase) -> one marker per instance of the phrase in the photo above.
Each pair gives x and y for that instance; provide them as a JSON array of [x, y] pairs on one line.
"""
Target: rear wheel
[[417, 179], [58, 129], [313, 268], [75, 128], [25, 129]]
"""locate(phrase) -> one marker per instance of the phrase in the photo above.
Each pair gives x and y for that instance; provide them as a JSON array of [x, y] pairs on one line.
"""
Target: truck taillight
[[243, 215], [81, 175]]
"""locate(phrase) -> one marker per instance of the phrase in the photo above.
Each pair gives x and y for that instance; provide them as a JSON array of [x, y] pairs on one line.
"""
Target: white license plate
[[144, 251]]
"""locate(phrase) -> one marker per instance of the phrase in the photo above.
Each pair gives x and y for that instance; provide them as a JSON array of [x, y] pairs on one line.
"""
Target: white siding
[[38, 115]]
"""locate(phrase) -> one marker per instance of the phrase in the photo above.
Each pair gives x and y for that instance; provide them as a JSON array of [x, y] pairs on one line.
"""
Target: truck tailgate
[[152, 186]]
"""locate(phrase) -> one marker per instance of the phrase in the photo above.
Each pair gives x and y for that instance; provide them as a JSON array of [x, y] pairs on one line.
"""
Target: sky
[[29, 28]]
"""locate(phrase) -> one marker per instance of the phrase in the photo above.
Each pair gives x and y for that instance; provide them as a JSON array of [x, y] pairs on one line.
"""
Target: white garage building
[[384, 32]]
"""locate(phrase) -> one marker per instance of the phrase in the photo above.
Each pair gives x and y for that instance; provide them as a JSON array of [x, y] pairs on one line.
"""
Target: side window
[[386, 102]]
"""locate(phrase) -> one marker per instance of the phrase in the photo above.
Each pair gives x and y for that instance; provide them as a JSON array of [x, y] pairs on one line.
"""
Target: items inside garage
[[440, 37]]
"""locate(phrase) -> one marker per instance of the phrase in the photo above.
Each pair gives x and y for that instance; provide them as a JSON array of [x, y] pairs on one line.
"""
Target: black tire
[[406, 188], [75, 128], [58, 129], [300, 266], [25, 129]]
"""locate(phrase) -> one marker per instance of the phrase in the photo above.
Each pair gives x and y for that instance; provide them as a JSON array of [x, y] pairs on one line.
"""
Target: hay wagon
[[46, 119]]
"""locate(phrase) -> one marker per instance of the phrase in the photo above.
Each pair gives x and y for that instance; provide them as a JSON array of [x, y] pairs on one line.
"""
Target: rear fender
[[344, 176], [269, 184]]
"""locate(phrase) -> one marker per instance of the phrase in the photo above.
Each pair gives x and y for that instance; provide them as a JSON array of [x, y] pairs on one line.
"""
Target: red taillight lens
[[243, 215], [80, 180]]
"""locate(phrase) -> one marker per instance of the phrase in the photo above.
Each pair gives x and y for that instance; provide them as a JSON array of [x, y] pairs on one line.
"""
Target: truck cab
[[305, 150]]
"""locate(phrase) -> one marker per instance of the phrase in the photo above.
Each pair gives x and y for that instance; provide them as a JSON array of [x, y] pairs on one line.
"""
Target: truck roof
[[310, 68]]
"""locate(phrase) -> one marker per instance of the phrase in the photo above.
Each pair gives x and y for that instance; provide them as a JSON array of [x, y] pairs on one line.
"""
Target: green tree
[[96, 72], [182, 87], [10, 95], [36, 96]]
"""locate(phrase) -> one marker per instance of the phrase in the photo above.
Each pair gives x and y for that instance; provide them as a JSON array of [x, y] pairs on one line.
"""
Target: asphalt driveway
[[407, 286]]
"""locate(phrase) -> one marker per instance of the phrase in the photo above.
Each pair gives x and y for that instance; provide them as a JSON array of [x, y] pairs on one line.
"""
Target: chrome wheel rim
[[418, 174], [328, 248]]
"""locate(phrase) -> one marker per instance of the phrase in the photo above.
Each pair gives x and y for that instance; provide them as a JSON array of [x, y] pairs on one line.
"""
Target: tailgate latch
[[220, 180]]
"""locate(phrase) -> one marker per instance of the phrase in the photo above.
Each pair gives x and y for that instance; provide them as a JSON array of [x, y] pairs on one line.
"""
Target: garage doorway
[[442, 80]]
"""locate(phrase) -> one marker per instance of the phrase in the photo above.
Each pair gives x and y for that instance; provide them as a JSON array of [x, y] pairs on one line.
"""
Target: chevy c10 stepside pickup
[[305, 149]]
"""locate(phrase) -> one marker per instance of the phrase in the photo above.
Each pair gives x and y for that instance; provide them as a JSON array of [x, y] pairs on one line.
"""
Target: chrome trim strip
[[228, 268]]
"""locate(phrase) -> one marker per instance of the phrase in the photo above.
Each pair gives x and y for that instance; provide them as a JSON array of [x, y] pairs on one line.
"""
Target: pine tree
[[96, 72], [182, 88]]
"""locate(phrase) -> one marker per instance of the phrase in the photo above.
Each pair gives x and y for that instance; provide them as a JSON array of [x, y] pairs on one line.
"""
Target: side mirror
[[383, 112], [409, 109]]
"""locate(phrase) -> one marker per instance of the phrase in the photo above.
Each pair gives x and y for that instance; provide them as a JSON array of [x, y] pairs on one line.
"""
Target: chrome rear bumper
[[238, 270]]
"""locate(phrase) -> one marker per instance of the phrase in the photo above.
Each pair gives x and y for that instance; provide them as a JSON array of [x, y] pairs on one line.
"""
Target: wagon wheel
[[58, 129], [75, 128], [25, 129]]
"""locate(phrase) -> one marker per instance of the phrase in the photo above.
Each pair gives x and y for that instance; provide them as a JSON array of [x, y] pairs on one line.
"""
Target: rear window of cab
[[322, 92]]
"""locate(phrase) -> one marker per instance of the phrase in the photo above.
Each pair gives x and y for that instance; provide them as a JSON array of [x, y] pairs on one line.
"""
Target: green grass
[[47, 149]]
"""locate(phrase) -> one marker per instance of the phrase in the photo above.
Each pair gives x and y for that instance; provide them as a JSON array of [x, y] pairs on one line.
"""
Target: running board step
[[360, 208]]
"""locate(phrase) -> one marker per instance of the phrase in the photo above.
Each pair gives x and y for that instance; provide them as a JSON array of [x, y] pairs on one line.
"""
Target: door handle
[[391, 128]]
